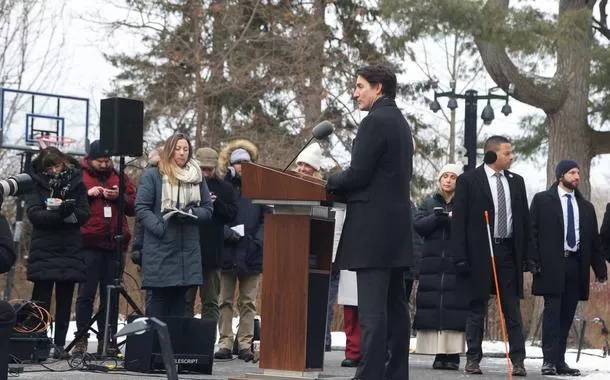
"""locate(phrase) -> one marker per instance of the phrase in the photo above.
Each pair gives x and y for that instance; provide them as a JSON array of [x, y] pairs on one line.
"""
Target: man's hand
[[111, 194], [95, 191], [462, 268]]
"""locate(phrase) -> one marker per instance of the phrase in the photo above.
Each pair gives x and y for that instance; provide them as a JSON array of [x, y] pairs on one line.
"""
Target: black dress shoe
[[519, 369], [350, 363], [564, 369], [472, 367], [328, 348], [548, 368]]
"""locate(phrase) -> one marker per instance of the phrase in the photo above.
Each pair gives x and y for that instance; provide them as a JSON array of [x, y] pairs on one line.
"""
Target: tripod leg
[[80, 334], [130, 301]]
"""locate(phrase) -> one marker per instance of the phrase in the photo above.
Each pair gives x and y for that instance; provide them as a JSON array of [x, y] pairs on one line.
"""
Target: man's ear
[[378, 89]]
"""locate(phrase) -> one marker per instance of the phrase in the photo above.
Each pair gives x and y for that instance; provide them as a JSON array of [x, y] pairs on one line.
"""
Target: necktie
[[571, 232], [502, 231]]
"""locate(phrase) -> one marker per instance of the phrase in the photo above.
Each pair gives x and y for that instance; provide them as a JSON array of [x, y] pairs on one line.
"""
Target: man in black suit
[[491, 187], [604, 233], [564, 231], [376, 237]]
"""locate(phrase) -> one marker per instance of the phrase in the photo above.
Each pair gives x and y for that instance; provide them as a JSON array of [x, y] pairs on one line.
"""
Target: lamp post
[[471, 97]]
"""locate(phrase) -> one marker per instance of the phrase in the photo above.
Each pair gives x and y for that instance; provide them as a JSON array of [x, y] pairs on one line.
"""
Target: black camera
[[16, 185]]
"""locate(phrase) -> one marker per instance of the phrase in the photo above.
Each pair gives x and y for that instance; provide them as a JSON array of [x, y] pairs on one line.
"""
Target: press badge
[[107, 212]]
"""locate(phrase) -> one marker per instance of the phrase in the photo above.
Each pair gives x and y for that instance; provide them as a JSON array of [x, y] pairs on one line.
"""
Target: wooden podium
[[297, 259]]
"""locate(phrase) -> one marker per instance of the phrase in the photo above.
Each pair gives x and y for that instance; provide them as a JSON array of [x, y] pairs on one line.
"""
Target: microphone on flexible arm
[[319, 132]]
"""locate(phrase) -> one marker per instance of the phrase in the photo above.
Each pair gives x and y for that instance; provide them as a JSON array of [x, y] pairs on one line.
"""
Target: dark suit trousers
[[475, 321], [558, 314], [384, 319]]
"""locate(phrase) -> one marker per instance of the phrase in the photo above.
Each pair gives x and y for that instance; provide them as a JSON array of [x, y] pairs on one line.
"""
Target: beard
[[569, 184]]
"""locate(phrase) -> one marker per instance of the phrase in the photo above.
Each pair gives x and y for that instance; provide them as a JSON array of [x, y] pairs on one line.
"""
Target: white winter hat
[[312, 156], [450, 168]]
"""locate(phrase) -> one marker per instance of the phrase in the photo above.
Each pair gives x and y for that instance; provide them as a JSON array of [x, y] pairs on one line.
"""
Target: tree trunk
[[312, 102]]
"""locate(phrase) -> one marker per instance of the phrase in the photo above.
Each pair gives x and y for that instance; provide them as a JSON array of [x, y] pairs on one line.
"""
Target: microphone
[[490, 157], [321, 131]]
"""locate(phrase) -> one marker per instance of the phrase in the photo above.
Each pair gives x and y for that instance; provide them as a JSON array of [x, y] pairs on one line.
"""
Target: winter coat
[[418, 249], [469, 231], [246, 254], [7, 247], [605, 233], [100, 232], [439, 304], [56, 240], [171, 254], [548, 241], [211, 232], [377, 229]]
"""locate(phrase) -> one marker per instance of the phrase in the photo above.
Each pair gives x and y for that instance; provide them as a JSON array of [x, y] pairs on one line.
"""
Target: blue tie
[[571, 233]]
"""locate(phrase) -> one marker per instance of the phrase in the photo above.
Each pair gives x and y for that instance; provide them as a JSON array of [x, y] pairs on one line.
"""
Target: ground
[[592, 365]]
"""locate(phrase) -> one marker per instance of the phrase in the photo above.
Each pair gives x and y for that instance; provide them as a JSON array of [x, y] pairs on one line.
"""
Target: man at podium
[[376, 241]]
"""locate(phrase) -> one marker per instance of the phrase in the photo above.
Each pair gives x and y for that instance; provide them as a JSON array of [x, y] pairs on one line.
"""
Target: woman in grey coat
[[172, 200]]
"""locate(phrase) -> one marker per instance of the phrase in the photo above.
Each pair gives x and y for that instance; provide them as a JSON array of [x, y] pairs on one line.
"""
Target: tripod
[[116, 283]]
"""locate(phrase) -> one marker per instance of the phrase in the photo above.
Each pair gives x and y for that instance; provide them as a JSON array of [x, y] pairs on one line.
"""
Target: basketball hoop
[[56, 141]]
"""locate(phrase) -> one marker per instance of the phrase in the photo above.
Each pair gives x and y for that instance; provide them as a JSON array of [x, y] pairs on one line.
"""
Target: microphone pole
[[297, 155]]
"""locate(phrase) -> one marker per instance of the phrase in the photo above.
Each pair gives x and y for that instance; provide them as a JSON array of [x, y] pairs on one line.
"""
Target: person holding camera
[[57, 208], [171, 203], [440, 318], [99, 241], [7, 248]]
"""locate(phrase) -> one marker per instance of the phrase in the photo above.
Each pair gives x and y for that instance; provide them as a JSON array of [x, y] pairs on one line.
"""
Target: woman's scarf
[[59, 183], [186, 191]]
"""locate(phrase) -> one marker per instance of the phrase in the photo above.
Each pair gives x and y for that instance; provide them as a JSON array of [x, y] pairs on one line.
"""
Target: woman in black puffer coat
[[55, 258], [440, 318]]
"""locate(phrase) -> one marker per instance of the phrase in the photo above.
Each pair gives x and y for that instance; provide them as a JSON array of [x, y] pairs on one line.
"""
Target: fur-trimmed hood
[[225, 154]]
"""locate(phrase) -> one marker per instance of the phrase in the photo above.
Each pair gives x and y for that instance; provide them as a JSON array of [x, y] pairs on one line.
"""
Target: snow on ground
[[591, 360]]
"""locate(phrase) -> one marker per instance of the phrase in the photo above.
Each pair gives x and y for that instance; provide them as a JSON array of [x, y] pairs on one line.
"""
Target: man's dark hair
[[493, 143], [380, 74]]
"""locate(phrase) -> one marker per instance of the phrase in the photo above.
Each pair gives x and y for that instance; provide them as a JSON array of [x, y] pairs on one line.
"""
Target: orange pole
[[493, 266]]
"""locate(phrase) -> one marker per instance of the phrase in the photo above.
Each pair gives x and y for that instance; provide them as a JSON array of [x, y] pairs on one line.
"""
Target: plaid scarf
[[59, 183]]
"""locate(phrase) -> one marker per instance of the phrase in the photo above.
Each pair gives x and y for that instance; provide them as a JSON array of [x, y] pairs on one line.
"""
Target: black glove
[[233, 238], [136, 257], [462, 268], [532, 266], [67, 207]]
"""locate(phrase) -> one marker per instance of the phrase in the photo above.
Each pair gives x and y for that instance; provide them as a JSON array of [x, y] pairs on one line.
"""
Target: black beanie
[[95, 151], [563, 167]]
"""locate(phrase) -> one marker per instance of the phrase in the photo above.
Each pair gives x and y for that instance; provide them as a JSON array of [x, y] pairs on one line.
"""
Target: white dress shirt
[[494, 193], [564, 206]]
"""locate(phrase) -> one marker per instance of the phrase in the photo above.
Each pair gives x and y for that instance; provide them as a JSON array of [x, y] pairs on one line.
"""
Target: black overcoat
[[211, 232], [56, 242], [440, 306], [548, 241], [469, 232], [377, 228], [605, 232]]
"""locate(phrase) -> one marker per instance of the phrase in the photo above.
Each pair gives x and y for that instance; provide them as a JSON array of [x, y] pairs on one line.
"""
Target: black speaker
[[122, 127], [192, 342]]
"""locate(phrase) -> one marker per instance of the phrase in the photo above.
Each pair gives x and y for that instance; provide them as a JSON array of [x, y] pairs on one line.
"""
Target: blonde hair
[[167, 166]]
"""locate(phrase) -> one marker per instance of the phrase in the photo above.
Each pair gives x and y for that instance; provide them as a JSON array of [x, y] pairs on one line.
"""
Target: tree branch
[[541, 92], [600, 142]]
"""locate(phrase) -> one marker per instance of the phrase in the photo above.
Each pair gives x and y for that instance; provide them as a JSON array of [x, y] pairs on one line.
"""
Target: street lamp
[[471, 98]]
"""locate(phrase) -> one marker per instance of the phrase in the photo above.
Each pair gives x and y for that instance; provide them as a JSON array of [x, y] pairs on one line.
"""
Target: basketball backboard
[[26, 117]]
